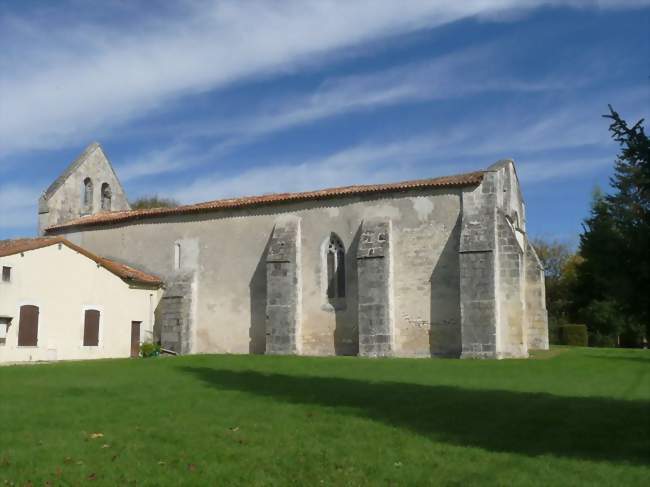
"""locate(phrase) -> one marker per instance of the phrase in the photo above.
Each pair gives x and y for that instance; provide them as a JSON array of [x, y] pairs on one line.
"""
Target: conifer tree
[[614, 279]]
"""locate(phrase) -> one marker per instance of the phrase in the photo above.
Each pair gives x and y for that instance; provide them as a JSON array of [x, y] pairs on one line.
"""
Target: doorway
[[135, 339]]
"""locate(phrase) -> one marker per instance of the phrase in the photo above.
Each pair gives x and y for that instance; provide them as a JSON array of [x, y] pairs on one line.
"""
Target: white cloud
[[158, 161], [61, 81], [420, 156], [532, 137], [19, 207], [460, 73], [363, 163], [540, 171]]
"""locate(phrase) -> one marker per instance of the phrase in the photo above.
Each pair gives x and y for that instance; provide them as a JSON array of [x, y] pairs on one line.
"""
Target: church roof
[[123, 271], [460, 180]]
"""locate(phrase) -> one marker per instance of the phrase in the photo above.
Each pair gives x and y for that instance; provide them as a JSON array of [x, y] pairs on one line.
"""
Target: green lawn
[[567, 417]]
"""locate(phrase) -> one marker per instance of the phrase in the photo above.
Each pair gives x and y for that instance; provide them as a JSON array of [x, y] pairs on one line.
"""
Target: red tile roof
[[123, 271], [461, 180]]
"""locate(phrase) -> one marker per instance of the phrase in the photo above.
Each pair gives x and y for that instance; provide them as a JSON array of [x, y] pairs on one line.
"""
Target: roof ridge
[[459, 180], [121, 270]]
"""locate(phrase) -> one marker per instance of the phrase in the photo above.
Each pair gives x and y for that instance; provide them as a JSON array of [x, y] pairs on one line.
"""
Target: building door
[[28, 326], [135, 338]]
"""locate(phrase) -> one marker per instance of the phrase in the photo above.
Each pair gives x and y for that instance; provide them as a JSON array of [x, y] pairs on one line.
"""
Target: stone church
[[439, 267]]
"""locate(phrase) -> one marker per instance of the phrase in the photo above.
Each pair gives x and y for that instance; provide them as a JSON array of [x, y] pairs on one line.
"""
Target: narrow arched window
[[107, 195], [335, 263], [88, 194], [177, 256]]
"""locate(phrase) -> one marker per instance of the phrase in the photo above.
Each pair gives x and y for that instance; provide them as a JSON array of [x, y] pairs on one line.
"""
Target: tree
[[557, 259], [613, 282], [629, 205], [153, 201]]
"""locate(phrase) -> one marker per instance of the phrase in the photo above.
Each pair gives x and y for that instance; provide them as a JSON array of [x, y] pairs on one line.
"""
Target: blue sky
[[201, 99]]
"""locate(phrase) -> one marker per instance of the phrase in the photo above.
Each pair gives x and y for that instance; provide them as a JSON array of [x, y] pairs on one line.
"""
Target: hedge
[[574, 335]]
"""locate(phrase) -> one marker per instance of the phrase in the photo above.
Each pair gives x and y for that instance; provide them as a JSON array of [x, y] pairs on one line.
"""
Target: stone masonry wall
[[64, 200], [512, 331], [174, 313], [283, 289], [536, 315], [478, 305], [375, 297]]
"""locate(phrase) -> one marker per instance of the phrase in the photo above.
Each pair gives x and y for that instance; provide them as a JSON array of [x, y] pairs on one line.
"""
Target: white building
[[61, 302]]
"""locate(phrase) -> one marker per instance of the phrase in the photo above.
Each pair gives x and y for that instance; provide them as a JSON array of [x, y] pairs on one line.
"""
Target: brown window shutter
[[91, 328], [28, 326]]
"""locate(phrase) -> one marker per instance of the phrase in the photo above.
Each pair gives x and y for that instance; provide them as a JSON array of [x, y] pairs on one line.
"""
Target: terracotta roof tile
[[461, 180], [123, 271]]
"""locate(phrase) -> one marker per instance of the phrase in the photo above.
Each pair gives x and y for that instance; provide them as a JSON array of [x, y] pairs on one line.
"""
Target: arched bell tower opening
[[107, 196], [87, 196]]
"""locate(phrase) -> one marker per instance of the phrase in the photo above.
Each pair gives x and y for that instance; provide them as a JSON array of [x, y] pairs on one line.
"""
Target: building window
[[91, 328], [4, 327], [107, 195], [177, 256], [335, 267], [28, 326], [6, 274], [88, 195]]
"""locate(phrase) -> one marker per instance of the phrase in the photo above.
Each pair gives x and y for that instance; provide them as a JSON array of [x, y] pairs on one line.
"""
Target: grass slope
[[571, 417]]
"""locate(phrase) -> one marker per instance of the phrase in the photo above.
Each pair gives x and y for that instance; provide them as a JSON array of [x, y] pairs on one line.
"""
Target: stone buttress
[[376, 335], [283, 300], [536, 315], [175, 311], [501, 279], [478, 304]]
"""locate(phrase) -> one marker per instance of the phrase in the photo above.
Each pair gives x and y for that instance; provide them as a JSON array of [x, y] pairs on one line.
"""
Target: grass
[[567, 417]]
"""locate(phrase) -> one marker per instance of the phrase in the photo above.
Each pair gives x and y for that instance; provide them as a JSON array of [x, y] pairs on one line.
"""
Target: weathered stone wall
[[478, 268], [426, 280], [174, 313], [374, 280], [511, 277], [229, 254], [499, 293], [63, 201], [536, 315], [283, 289]]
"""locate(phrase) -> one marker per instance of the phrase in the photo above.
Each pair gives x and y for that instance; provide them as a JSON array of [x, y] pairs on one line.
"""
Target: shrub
[[554, 325], [149, 350], [597, 339], [153, 201], [574, 335]]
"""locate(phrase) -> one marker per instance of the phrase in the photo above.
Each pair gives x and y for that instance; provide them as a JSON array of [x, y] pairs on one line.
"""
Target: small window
[[6, 274], [91, 328], [4, 327], [107, 196], [88, 195], [177, 256], [335, 262], [28, 326]]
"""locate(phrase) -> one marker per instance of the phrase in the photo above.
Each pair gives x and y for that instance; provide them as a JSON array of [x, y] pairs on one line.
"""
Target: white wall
[[63, 284]]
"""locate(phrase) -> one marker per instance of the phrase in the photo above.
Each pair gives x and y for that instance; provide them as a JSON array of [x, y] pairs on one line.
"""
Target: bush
[[597, 339], [574, 335], [554, 325], [149, 350]]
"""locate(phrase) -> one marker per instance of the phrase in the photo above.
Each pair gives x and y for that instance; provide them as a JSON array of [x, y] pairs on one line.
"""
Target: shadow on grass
[[501, 421], [643, 359]]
